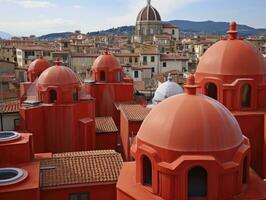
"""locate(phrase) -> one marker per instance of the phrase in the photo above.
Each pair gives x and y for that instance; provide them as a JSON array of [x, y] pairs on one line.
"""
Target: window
[[173, 31], [147, 171], [211, 90], [130, 59], [75, 94], [144, 60], [246, 96], [136, 59], [153, 70], [244, 175], [79, 196], [29, 53], [118, 76], [197, 182], [52, 96], [164, 64], [152, 59], [46, 53], [102, 76], [136, 74]]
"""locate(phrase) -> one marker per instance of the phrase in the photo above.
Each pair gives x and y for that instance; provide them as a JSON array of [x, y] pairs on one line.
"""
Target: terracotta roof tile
[[9, 107], [135, 112], [105, 125], [91, 167]]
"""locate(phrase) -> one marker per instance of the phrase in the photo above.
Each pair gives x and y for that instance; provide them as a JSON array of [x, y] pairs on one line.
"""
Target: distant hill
[[211, 27], [4, 35], [187, 27], [54, 36]]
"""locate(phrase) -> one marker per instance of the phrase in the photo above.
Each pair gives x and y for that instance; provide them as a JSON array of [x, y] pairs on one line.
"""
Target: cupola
[[148, 13], [36, 68], [106, 68], [58, 84]]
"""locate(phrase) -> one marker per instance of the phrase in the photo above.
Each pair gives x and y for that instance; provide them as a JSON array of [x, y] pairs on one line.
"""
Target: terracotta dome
[[58, 75], [149, 13], [39, 65], [106, 61], [232, 56], [191, 123]]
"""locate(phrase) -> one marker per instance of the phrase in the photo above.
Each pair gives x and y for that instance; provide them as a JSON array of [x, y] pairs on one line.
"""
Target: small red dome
[[232, 57], [58, 75], [39, 65], [107, 61], [191, 123]]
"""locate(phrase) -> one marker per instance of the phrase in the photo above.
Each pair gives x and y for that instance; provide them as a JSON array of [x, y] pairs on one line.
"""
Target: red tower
[[233, 72], [108, 86], [207, 158], [63, 118]]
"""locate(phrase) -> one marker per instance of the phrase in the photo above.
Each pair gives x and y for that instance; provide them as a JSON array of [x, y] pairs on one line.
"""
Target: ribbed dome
[[58, 76], [166, 90], [191, 123], [39, 65], [232, 57], [148, 13], [106, 61]]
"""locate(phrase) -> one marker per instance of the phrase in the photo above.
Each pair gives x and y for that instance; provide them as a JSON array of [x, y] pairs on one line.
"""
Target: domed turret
[[36, 68], [191, 139], [58, 84], [232, 56], [148, 13], [106, 68]]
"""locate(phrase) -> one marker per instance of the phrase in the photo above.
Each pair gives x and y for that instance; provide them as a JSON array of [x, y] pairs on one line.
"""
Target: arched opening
[[52, 96], [147, 171], [211, 90], [246, 96], [118, 76], [75, 94], [197, 182], [102, 76], [244, 175]]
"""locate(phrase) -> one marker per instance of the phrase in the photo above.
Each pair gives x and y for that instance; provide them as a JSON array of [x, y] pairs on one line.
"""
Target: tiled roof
[[105, 125], [9, 107], [173, 57], [135, 112], [88, 167]]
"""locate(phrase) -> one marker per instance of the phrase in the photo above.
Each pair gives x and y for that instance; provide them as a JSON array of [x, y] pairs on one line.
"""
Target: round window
[[10, 176], [8, 135]]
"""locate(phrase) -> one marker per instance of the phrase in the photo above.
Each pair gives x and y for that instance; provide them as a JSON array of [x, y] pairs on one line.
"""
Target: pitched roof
[[105, 125], [9, 107], [135, 112], [87, 167]]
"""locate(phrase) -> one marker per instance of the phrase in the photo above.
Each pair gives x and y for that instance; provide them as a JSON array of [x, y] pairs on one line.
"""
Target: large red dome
[[58, 75], [191, 123], [107, 61], [39, 65], [232, 57]]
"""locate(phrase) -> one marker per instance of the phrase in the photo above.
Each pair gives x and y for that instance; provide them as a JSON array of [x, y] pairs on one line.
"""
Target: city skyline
[[46, 16]]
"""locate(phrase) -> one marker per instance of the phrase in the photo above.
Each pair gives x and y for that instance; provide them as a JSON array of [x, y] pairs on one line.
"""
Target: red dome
[[232, 57], [107, 61], [191, 123], [39, 65], [58, 76]]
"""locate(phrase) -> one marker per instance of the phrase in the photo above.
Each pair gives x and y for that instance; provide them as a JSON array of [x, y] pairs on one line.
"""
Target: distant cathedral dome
[[149, 13]]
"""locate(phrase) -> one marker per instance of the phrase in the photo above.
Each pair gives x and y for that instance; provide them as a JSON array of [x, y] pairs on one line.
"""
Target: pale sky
[[25, 17]]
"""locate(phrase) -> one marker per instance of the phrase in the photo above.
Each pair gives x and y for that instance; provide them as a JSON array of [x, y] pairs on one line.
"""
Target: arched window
[[118, 76], [244, 175], [52, 96], [197, 182], [246, 96], [75, 94], [102, 76], [147, 171], [211, 90]]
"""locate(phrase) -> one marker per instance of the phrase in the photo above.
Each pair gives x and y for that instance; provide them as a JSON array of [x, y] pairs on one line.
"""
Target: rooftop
[[87, 167], [9, 107], [105, 125], [135, 112]]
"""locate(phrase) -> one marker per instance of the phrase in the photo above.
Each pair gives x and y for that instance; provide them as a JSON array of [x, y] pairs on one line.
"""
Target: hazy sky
[[25, 17]]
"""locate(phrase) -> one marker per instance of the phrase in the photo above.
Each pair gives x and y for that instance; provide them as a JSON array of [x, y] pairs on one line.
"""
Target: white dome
[[165, 90]]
